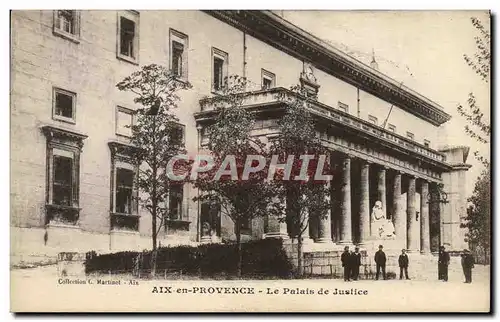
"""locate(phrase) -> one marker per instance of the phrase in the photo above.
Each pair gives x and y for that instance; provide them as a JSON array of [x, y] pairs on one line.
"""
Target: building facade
[[71, 183]]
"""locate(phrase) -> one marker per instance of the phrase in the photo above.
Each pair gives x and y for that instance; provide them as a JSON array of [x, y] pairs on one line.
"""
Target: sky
[[422, 49]]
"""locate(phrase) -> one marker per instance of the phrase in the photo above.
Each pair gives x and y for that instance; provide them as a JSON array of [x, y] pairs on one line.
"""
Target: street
[[41, 289]]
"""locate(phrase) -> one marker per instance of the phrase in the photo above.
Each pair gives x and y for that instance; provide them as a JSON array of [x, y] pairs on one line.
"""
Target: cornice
[[283, 35]]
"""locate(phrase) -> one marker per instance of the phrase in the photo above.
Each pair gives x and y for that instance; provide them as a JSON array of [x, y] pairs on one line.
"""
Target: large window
[[62, 187], [67, 24], [64, 105], [124, 190], [124, 204], [175, 197], [179, 54], [177, 135], [128, 36], [219, 69], [63, 171]]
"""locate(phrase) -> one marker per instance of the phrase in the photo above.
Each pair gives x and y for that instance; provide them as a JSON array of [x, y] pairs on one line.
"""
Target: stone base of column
[[345, 243], [324, 241], [206, 239], [279, 235]]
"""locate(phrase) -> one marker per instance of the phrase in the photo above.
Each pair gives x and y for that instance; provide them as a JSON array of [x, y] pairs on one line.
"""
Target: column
[[325, 223], [345, 220], [364, 208], [399, 219], [434, 218], [424, 219], [411, 214], [381, 195]]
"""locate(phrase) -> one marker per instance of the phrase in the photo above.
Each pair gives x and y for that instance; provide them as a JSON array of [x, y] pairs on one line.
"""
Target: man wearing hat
[[356, 263], [467, 265], [403, 262], [345, 258], [380, 260], [443, 262]]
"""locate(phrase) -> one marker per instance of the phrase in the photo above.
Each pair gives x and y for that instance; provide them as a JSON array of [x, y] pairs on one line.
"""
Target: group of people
[[351, 261], [467, 261]]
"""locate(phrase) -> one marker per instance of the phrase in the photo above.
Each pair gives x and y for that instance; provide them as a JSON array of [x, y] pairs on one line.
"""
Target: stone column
[[411, 214], [424, 219], [435, 219], [325, 224], [381, 191], [345, 220], [364, 207], [399, 219]]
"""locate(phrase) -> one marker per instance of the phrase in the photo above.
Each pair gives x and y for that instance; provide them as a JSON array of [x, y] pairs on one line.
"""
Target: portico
[[370, 164]]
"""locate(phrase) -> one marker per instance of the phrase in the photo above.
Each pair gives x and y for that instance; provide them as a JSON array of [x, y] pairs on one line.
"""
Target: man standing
[[403, 264], [467, 265], [356, 263], [380, 260], [443, 262], [346, 263]]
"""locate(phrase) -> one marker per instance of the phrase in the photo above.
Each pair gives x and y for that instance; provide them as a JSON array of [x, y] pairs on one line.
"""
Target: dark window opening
[[218, 73], [177, 136], [177, 52], [124, 190], [127, 35], [64, 105], [266, 83], [246, 225], [66, 21], [175, 201], [62, 183]]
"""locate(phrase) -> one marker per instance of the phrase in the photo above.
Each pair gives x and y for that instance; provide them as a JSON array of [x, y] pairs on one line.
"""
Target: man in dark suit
[[403, 262], [356, 263], [467, 265], [380, 260], [443, 262], [346, 263]]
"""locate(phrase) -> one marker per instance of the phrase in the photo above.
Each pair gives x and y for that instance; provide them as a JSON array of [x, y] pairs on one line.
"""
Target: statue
[[381, 226]]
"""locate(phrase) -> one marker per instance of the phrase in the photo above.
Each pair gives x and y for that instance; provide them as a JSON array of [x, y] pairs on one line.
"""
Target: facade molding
[[283, 35]]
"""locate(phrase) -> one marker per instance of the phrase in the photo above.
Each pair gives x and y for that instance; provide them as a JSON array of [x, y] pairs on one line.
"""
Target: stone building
[[71, 185]]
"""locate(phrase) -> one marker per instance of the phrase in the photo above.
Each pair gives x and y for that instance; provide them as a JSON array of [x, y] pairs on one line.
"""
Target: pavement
[[41, 289]]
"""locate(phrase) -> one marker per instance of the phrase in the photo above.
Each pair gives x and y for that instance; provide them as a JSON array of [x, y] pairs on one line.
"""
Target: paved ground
[[41, 289]]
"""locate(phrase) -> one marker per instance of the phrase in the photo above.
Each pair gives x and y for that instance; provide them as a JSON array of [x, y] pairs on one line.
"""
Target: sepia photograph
[[250, 161]]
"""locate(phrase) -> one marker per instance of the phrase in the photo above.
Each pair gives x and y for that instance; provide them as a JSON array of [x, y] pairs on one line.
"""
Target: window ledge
[[62, 215], [124, 214], [182, 79], [123, 232], [127, 59], [64, 119], [66, 35], [55, 224]]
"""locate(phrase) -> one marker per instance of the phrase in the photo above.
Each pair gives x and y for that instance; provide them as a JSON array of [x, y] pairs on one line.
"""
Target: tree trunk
[[238, 248], [299, 255]]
